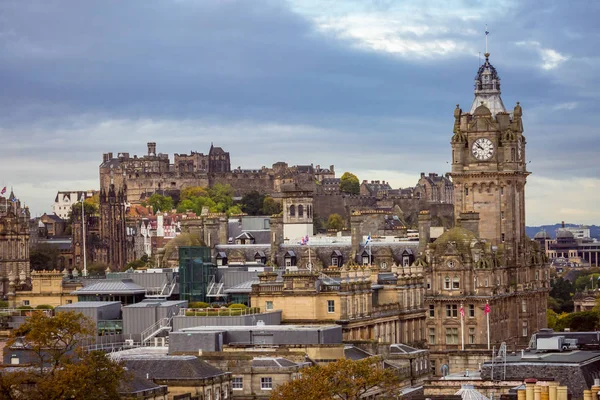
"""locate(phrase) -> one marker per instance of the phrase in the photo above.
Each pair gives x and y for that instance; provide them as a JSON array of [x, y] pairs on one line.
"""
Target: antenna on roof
[[486, 38]]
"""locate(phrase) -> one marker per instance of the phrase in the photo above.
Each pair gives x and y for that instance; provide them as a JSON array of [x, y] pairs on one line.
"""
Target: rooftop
[[124, 286], [88, 304], [260, 327]]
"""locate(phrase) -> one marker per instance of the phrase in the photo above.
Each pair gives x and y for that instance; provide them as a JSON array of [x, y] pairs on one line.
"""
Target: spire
[[487, 85]]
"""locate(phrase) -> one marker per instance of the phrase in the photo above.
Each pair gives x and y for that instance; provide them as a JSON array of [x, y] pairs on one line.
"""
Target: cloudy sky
[[369, 86]]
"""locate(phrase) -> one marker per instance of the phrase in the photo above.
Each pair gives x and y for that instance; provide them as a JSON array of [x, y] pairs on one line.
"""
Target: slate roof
[[245, 235], [172, 367], [336, 253], [124, 286], [468, 392], [267, 362], [138, 384], [402, 349], [355, 354]]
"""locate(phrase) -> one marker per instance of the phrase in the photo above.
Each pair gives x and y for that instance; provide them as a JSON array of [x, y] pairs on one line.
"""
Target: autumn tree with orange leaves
[[344, 380]]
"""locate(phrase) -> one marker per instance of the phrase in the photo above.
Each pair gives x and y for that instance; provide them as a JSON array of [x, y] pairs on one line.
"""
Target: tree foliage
[[252, 203], [218, 199], [584, 321], [562, 294], [192, 191], [61, 370], [271, 206], [335, 221], [343, 379], [349, 183], [160, 202], [44, 257]]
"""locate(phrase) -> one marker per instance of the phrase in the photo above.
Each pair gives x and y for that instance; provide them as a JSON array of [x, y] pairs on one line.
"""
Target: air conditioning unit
[[129, 342]]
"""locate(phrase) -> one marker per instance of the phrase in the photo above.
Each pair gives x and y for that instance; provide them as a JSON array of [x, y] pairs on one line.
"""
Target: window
[[501, 191], [432, 366], [466, 191], [292, 210], [524, 305], [447, 283], [288, 262], [471, 335], [451, 335], [502, 237], [456, 283], [301, 210], [502, 214], [208, 394], [405, 261], [334, 261], [471, 310], [383, 265], [25, 302], [524, 328], [330, 306], [69, 301], [486, 283], [451, 311], [365, 260], [428, 284], [237, 383], [431, 335], [266, 383], [269, 305], [431, 310]]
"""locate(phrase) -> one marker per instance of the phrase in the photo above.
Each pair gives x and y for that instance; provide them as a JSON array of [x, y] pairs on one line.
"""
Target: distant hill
[[551, 229]]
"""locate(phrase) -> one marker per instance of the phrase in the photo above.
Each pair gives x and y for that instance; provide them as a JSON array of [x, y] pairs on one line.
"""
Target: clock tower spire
[[488, 164]]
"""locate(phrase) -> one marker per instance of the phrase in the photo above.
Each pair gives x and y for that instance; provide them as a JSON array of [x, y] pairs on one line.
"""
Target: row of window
[[452, 311], [237, 383], [452, 335], [467, 191], [330, 306], [301, 210]]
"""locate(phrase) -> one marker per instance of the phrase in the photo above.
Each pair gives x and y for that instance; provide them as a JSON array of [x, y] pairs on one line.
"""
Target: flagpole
[[309, 259], [462, 325], [487, 314], [370, 254], [83, 234]]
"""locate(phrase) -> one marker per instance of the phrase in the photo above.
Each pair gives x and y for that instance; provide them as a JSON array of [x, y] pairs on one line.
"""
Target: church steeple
[[487, 88]]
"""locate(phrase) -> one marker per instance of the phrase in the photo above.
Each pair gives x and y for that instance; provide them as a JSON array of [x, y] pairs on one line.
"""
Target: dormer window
[[336, 258]]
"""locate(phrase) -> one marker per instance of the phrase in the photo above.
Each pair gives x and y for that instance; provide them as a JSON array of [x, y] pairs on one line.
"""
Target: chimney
[[470, 221], [105, 157], [424, 229], [563, 224], [422, 174], [110, 156]]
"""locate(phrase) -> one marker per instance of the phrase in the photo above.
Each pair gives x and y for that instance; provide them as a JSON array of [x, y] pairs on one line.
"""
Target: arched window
[[456, 283], [292, 210], [447, 283], [300, 210]]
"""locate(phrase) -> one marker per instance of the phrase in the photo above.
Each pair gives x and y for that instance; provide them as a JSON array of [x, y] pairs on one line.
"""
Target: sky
[[369, 86]]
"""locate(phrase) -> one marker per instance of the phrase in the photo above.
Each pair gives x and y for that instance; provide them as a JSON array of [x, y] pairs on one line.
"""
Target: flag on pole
[[302, 242], [368, 240], [462, 311], [3, 190], [487, 308], [306, 239]]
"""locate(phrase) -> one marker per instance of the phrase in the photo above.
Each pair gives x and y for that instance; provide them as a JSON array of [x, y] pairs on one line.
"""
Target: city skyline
[[367, 86]]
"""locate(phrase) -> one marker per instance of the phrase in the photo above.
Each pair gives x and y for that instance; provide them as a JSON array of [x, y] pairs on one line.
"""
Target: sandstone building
[[14, 245], [486, 258]]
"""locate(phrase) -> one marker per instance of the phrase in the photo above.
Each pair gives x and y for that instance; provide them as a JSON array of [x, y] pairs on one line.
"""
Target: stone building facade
[[434, 188], [14, 245], [485, 263]]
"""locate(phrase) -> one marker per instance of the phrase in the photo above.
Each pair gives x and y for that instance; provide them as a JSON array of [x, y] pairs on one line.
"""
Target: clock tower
[[488, 164]]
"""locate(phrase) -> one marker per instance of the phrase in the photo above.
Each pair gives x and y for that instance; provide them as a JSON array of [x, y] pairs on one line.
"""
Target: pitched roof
[[354, 353], [273, 362], [124, 286], [172, 367]]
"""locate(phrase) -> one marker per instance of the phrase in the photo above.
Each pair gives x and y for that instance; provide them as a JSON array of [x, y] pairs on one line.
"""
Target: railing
[[218, 312], [19, 312], [163, 324]]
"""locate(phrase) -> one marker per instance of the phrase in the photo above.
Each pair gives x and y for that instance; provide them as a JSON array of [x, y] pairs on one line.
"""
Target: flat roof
[[157, 303], [89, 304], [259, 327], [566, 357]]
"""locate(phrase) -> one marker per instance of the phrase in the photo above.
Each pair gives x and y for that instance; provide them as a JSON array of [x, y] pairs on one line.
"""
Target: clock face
[[483, 149], [451, 264]]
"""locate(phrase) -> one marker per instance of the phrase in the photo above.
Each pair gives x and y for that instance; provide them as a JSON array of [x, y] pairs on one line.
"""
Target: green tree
[[335, 221], [270, 206], [222, 195], [343, 379], [252, 203], [160, 202], [192, 191], [349, 183], [44, 257], [584, 321], [61, 370]]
